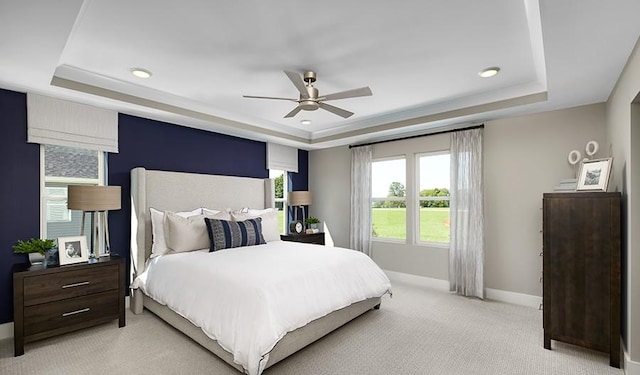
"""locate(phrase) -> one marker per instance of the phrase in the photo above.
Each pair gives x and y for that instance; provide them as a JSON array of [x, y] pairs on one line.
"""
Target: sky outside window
[[434, 173]]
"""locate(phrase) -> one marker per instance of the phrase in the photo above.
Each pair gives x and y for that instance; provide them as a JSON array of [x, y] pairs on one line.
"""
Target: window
[[433, 197], [389, 210], [63, 166], [280, 197]]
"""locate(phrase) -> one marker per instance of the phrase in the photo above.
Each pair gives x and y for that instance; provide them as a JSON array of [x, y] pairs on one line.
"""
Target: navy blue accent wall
[[300, 181], [19, 191]]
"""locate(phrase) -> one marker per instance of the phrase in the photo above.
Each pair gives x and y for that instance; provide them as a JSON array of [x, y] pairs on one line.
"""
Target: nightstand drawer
[[48, 288], [69, 313]]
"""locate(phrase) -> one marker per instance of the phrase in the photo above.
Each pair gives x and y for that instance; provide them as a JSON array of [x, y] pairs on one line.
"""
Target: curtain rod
[[419, 135]]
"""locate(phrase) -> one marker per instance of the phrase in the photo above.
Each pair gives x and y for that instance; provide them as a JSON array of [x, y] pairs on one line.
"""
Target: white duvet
[[248, 298]]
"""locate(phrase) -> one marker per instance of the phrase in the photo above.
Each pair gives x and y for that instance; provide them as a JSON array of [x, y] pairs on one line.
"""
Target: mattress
[[248, 298]]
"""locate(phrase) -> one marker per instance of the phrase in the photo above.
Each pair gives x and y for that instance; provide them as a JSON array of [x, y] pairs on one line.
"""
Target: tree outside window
[[389, 213]]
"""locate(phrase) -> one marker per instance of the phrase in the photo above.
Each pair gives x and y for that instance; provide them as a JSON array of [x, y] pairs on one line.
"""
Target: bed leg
[[377, 307], [135, 301]]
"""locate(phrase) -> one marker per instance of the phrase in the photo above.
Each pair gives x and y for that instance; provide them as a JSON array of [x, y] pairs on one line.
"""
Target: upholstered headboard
[[178, 191]]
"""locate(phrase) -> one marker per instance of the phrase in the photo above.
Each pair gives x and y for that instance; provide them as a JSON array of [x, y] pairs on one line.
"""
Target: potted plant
[[312, 222], [35, 247]]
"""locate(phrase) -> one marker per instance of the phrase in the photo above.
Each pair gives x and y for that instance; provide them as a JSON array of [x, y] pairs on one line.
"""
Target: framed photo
[[72, 250], [594, 175]]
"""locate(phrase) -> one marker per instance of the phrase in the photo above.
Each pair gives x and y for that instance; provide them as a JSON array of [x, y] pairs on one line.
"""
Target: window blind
[[64, 123], [282, 158]]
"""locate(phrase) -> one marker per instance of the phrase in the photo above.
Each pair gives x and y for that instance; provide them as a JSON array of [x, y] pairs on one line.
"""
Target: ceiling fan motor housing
[[310, 103]]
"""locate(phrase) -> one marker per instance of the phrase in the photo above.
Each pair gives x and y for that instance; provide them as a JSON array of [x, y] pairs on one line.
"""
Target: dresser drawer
[[70, 313], [73, 283]]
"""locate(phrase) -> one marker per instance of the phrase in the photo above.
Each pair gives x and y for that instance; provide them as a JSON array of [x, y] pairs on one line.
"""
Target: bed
[[176, 191]]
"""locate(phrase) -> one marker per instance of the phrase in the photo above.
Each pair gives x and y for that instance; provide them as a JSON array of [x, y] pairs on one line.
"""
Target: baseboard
[[422, 281], [513, 297], [443, 285], [630, 367], [6, 329]]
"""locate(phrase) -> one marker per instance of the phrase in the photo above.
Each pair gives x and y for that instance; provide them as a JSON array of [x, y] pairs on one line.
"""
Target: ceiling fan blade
[[298, 83], [338, 111], [268, 97], [354, 93], [294, 112]]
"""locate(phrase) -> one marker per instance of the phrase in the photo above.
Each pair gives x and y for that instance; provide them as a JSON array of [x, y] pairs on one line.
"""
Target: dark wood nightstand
[[315, 238], [50, 301]]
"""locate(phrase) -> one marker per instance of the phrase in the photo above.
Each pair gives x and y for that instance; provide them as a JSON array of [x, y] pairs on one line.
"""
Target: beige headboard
[[178, 191]]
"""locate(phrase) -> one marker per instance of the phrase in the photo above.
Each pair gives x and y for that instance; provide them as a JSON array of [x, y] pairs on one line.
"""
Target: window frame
[[63, 182], [395, 199], [285, 206], [418, 199]]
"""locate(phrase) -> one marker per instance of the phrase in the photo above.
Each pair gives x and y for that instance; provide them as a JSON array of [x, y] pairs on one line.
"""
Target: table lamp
[[299, 198], [96, 200]]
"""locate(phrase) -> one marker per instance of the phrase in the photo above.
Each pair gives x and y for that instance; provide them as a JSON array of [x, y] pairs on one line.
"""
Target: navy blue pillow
[[225, 234]]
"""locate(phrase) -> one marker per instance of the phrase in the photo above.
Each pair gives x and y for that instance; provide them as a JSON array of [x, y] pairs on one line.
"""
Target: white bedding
[[248, 298]]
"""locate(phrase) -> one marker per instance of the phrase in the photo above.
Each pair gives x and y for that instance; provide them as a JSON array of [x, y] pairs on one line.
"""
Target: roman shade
[[282, 158], [64, 123]]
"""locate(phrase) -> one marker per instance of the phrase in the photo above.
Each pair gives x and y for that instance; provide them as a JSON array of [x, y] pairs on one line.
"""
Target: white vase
[[36, 258]]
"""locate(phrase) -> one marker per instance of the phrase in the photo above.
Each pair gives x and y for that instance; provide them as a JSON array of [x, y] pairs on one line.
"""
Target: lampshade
[[299, 198], [93, 198]]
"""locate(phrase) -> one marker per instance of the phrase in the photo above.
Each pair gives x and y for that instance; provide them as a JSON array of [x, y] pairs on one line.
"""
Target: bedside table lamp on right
[[300, 199]]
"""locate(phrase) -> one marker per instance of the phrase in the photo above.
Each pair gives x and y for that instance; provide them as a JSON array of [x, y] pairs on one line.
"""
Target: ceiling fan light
[[140, 72], [309, 105], [489, 72]]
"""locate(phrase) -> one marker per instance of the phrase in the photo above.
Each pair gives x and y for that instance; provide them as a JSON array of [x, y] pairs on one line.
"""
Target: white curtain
[[360, 233], [466, 255]]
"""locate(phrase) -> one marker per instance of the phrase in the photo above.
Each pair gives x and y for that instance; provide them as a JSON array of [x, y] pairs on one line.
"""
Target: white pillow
[[188, 233], [159, 246], [270, 230], [207, 211]]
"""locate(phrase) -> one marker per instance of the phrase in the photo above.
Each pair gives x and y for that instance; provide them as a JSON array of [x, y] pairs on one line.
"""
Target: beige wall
[[330, 182], [623, 128], [524, 157]]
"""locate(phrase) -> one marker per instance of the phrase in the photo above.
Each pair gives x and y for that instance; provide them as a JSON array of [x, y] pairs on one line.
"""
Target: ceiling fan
[[309, 99]]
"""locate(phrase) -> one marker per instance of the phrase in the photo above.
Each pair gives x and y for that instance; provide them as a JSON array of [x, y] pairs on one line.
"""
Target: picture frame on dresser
[[594, 174], [73, 250]]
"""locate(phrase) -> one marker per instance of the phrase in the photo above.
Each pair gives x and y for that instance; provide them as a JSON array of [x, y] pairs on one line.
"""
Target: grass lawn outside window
[[391, 223]]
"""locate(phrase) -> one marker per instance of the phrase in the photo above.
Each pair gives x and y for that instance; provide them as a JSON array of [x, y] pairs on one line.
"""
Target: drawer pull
[[76, 312], [74, 285]]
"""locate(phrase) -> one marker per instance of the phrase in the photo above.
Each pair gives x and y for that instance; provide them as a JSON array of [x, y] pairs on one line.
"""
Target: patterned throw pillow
[[224, 234]]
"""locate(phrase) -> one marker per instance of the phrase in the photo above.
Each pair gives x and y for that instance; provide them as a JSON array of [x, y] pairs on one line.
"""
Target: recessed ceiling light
[[305, 122], [489, 72], [140, 73]]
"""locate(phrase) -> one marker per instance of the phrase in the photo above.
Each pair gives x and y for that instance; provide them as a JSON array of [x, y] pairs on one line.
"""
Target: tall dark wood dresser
[[581, 270]]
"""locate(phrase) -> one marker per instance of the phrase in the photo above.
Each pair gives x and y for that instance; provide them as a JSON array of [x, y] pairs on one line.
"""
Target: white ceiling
[[420, 58]]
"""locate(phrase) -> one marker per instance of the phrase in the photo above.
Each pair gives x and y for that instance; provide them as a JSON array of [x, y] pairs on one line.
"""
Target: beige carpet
[[418, 331]]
